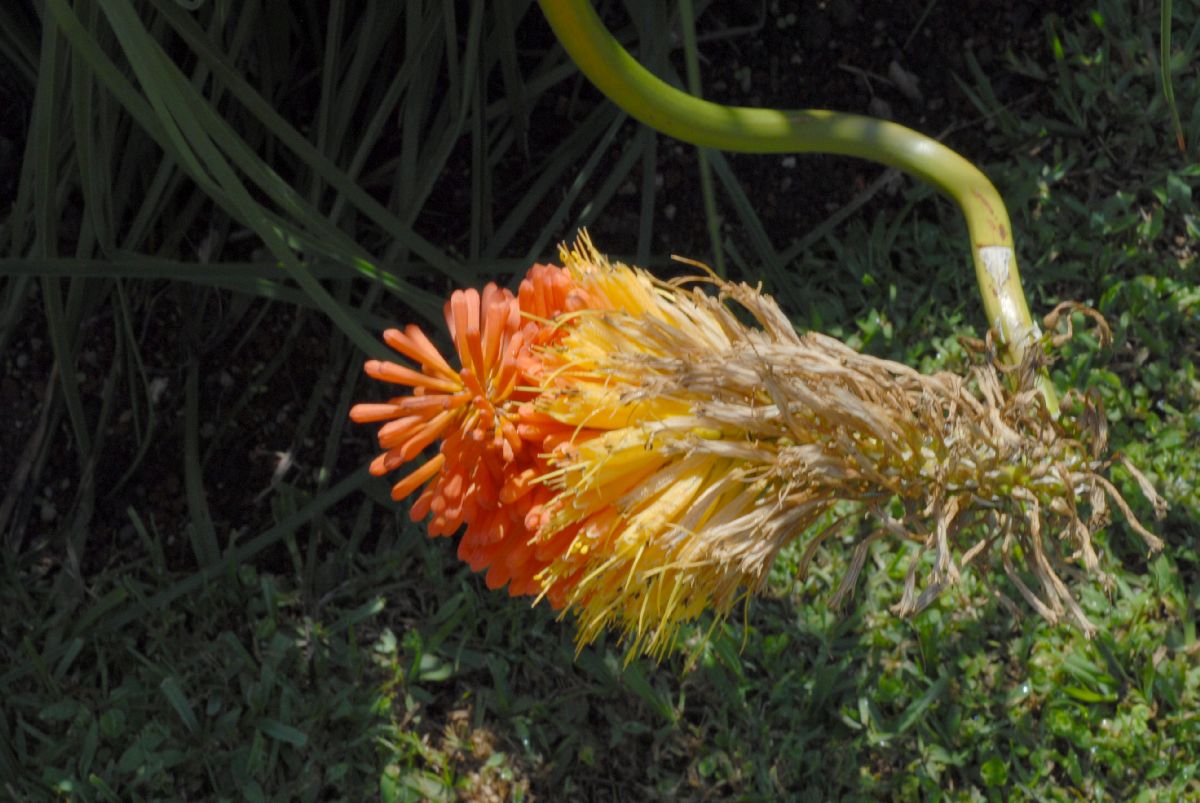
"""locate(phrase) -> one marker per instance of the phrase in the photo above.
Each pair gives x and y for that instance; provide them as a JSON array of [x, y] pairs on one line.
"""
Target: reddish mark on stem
[[1001, 229], [983, 200]]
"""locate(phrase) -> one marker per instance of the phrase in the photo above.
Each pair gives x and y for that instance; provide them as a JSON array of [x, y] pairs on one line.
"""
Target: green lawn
[[209, 211]]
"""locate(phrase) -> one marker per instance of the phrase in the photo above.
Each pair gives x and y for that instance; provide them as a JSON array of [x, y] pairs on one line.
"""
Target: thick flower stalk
[[671, 111], [636, 452]]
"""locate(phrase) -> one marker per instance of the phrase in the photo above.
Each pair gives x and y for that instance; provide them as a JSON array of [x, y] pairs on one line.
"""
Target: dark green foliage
[[208, 210]]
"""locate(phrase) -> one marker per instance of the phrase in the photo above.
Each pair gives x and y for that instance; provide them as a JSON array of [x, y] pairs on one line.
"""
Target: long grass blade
[[1164, 66], [200, 527], [19, 41]]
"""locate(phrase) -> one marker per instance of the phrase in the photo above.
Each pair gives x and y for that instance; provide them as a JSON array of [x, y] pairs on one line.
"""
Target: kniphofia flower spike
[[633, 451]]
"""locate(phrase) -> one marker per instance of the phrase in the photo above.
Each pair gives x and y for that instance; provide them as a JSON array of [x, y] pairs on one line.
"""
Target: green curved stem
[[738, 128]]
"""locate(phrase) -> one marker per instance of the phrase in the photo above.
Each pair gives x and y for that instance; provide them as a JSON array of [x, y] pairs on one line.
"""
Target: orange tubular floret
[[512, 439], [471, 380], [517, 485], [432, 404], [564, 437], [481, 553], [536, 433], [399, 375], [452, 489], [557, 544], [419, 477], [527, 293], [474, 333], [426, 435], [386, 462], [394, 433], [413, 344], [373, 413], [497, 575], [505, 381], [420, 508], [495, 308], [456, 320]]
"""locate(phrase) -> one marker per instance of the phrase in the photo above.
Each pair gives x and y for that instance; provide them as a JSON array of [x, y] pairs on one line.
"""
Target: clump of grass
[[327, 647]]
